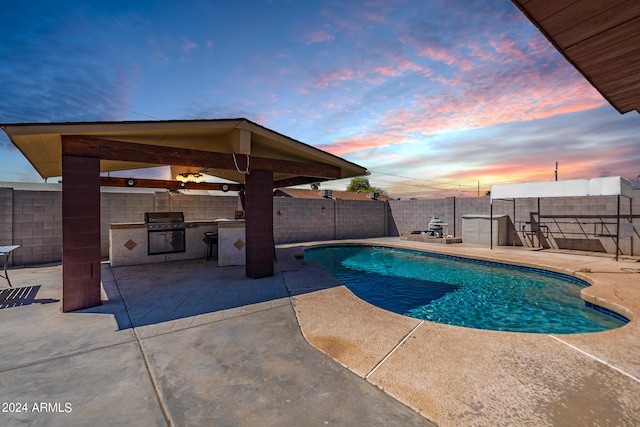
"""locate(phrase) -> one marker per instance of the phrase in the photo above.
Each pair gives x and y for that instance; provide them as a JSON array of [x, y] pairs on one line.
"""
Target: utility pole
[[556, 173]]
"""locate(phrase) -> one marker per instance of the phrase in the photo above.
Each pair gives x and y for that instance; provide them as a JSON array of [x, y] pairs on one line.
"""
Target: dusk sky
[[432, 97]]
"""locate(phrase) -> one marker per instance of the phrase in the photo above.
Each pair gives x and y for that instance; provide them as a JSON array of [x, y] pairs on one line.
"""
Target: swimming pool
[[470, 293]]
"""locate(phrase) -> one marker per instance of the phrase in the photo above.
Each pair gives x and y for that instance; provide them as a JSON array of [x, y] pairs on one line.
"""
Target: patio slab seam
[[206, 323], [596, 358], [65, 356], [156, 388], [385, 358]]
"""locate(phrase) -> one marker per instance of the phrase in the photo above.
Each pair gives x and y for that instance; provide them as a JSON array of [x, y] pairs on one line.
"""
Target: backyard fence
[[31, 216]]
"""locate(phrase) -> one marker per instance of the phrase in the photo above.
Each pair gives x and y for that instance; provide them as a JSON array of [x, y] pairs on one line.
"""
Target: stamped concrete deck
[[188, 343]]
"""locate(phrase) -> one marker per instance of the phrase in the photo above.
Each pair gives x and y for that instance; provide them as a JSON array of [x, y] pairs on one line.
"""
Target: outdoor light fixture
[[190, 177]]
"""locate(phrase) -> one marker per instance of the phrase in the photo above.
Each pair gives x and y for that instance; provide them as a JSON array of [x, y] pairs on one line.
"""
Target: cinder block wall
[[131, 207], [37, 227], [579, 223], [360, 219], [300, 220], [6, 216], [32, 218], [121, 208], [196, 207], [414, 215], [576, 223]]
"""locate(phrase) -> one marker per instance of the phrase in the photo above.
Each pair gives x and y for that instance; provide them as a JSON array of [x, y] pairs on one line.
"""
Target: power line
[[419, 179], [441, 186], [130, 111], [63, 95]]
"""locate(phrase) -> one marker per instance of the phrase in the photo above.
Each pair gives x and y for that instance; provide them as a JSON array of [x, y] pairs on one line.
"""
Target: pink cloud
[[343, 146], [505, 49], [408, 66], [468, 103], [522, 169], [188, 45], [380, 74], [437, 54], [328, 105], [538, 45], [318, 36], [387, 70], [376, 80], [374, 17], [334, 77]]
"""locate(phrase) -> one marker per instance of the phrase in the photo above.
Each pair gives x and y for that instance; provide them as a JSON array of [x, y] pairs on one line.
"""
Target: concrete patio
[[182, 343], [189, 343]]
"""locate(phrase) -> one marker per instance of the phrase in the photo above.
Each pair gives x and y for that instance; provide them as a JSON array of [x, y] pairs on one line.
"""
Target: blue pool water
[[461, 292]]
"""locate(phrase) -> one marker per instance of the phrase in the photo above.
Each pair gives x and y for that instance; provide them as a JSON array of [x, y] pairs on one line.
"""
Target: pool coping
[[457, 375]]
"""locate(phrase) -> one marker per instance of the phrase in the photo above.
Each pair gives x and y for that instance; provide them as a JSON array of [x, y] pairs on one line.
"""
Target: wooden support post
[[80, 232], [258, 204]]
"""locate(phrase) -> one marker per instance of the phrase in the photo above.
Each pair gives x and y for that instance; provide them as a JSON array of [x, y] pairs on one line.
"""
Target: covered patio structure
[[254, 160]]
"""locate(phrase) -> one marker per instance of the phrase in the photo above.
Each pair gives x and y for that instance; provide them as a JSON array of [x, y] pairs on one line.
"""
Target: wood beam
[[169, 185], [105, 149], [299, 180]]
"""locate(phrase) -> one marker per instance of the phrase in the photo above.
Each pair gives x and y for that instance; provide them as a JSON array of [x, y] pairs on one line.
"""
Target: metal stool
[[211, 239]]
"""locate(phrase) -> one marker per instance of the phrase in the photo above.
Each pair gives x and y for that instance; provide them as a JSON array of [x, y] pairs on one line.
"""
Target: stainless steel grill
[[166, 232], [164, 220]]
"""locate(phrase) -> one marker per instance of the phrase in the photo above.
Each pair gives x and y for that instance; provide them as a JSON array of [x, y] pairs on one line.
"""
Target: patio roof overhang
[[220, 148], [601, 39]]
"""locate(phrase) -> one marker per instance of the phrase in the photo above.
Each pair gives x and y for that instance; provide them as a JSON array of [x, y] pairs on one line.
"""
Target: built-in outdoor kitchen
[[166, 236]]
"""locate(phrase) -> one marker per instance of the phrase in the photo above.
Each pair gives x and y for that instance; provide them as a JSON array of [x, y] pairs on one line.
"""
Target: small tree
[[362, 185]]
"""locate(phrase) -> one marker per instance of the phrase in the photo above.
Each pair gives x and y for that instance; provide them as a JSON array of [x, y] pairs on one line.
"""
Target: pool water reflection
[[455, 291]]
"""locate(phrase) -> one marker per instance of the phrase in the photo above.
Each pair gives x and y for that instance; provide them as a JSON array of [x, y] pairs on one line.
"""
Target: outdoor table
[[6, 252]]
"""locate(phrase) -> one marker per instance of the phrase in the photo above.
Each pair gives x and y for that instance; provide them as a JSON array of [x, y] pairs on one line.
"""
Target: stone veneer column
[[80, 232], [258, 206]]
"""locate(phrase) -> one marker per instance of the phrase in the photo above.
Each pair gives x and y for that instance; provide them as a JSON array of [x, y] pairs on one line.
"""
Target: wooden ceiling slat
[[542, 9], [619, 89], [627, 100], [609, 44], [618, 71], [572, 18], [595, 68], [600, 38], [599, 23]]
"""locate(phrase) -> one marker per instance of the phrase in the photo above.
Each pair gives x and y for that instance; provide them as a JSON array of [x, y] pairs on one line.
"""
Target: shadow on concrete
[[17, 297], [143, 295], [152, 294]]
